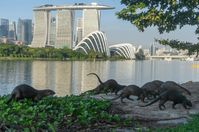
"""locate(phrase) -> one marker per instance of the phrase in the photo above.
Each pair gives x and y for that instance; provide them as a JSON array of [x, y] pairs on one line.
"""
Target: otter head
[[48, 92]]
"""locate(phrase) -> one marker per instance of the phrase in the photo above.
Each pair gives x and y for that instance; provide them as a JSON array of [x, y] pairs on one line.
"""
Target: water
[[66, 77]]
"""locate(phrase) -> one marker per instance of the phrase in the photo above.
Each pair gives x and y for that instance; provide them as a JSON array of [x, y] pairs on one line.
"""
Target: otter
[[171, 85], [23, 91], [131, 90], [152, 88], [171, 95], [109, 85]]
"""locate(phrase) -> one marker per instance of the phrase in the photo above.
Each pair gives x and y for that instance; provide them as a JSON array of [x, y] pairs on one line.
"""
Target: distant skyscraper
[[12, 31], [52, 32], [64, 28], [61, 32], [24, 30], [4, 27], [79, 30], [41, 28], [27, 31], [153, 49], [19, 30], [91, 21]]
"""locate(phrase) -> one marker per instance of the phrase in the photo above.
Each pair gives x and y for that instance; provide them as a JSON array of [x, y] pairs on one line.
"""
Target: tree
[[139, 55], [166, 15]]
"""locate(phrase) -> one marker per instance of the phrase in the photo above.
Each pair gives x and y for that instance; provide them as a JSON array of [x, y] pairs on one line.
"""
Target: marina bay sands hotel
[[60, 31]]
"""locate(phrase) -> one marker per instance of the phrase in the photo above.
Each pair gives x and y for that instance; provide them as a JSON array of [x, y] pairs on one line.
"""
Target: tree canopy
[[166, 15]]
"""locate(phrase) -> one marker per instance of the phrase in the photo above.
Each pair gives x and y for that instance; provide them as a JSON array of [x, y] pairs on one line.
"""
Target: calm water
[[71, 77]]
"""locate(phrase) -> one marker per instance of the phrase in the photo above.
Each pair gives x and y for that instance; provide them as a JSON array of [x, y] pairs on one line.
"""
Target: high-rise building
[[12, 31], [4, 27], [28, 31], [64, 28], [91, 21], [19, 29], [24, 31], [52, 32], [41, 28], [79, 30]]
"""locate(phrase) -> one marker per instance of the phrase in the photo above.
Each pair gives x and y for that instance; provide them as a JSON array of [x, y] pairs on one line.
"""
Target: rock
[[152, 113], [173, 122]]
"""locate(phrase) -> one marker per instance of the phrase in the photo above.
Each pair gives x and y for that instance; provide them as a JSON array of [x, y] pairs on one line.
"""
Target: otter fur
[[171, 95], [131, 90], [152, 88], [109, 85], [23, 91], [171, 85]]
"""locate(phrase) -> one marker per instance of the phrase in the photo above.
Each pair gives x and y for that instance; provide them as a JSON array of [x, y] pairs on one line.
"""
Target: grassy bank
[[10, 51], [58, 113], [70, 113], [15, 52]]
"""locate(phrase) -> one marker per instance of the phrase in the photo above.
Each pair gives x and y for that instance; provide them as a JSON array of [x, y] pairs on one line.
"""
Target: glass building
[[4, 27], [24, 30], [12, 31]]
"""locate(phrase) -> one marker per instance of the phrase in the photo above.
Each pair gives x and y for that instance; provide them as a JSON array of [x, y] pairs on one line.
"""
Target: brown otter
[[131, 90], [171, 85], [171, 95], [152, 88], [23, 91], [109, 85]]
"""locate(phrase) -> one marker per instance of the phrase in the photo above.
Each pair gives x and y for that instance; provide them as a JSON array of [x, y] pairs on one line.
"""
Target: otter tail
[[113, 98], [155, 100], [96, 76], [186, 90], [120, 87], [116, 98]]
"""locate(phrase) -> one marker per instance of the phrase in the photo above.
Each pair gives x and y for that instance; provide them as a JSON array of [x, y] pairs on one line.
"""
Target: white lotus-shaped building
[[125, 50], [95, 41]]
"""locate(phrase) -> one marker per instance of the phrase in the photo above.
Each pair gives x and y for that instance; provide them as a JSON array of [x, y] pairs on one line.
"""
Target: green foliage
[[10, 50], [166, 15], [53, 113], [96, 55], [192, 48], [140, 55]]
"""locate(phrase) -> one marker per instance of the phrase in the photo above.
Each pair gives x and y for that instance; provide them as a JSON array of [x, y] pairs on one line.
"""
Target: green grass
[[57, 113], [70, 113]]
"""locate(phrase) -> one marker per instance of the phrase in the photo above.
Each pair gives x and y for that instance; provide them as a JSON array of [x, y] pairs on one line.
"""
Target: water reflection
[[67, 77]]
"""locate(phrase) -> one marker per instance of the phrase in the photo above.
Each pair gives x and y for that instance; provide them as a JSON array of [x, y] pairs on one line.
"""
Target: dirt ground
[[151, 114]]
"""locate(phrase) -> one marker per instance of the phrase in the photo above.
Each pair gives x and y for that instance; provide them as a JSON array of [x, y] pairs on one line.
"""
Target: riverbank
[[69, 113], [178, 119], [83, 113], [58, 59]]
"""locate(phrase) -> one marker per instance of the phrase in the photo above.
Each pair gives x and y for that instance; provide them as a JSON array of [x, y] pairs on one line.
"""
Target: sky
[[117, 30]]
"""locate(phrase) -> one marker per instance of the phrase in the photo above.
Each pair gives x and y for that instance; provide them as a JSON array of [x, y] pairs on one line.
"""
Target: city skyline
[[64, 24], [117, 31]]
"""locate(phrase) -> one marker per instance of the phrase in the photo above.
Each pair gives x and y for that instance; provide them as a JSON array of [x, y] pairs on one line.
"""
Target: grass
[[71, 113], [57, 113]]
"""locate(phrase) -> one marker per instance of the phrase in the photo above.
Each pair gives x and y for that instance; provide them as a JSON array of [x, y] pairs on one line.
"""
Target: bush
[[10, 50], [55, 113]]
